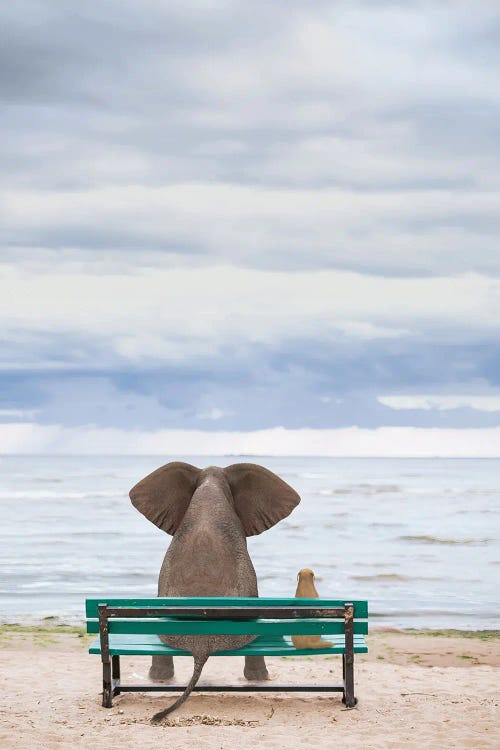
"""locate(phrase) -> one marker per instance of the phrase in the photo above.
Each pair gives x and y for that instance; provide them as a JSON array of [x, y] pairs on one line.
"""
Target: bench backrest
[[227, 616]]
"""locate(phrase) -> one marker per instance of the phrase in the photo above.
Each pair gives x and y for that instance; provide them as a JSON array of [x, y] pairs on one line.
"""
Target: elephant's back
[[207, 565]]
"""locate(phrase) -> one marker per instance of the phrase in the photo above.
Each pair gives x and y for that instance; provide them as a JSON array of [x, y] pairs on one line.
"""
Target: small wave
[[382, 488], [50, 495], [428, 612], [301, 475], [360, 489], [478, 491], [37, 585], [395, 577], [428, 491], [93, 534], [427, 539], [329, 493]]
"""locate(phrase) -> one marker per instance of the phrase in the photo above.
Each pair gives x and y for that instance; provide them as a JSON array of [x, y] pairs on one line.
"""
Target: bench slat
[[151, 645], [164, 625], [226, 613], [360, 607]]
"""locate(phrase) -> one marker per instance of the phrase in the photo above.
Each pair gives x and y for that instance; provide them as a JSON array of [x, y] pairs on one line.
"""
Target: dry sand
[[415, 691]]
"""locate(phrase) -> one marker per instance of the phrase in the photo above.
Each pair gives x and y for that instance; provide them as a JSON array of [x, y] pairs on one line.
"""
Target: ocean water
[[418, 538]]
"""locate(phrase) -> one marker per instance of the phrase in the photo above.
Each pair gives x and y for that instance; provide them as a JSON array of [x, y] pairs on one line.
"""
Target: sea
[[418, 538]]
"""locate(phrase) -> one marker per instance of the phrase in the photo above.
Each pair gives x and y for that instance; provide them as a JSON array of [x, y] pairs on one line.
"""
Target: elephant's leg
[[162, 668], [255, 668]]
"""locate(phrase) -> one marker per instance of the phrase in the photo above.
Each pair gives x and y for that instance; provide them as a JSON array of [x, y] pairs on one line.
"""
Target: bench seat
[[151, 645]]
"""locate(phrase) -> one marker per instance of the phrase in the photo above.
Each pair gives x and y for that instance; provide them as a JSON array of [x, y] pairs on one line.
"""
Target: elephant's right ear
[[261, 498], [163, 496]]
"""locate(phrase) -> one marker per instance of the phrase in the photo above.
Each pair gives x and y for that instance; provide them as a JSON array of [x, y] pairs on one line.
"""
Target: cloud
[[215, 215], [296, 384], [182, 314], [360, 136], [382, 442], [176, 347], [214, 414], [442, 402], [18, 414], [421, 231]]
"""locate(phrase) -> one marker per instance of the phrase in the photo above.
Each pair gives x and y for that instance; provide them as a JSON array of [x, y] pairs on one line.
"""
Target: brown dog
[[307, 590]]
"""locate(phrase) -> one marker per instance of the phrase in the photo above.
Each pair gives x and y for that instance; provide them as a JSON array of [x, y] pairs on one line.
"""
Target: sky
[[250, 227]]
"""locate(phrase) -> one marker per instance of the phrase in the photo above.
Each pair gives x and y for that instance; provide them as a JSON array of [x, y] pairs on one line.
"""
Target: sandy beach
[[414, 690]]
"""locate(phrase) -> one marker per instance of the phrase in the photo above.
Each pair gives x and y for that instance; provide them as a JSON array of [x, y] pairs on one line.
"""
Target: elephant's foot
[[162, 668], [255, 669]]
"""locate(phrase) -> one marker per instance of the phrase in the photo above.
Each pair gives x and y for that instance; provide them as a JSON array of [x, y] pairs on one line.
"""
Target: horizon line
[[253, 455]]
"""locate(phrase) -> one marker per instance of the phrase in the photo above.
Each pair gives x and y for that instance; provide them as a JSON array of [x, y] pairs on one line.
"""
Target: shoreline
[[48, 624], [445, 647]]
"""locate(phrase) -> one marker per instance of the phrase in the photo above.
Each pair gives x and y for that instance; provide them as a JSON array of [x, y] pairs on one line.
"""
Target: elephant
[[209, 513]]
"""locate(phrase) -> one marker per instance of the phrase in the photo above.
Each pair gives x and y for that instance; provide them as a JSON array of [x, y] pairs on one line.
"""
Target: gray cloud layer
[[359, 135], [143, 138]]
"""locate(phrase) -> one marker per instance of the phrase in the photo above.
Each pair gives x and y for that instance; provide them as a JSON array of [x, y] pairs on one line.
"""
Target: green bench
[[133, 626]]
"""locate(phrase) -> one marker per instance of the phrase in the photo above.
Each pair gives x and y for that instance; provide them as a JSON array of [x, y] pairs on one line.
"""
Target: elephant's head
[[260, 498]]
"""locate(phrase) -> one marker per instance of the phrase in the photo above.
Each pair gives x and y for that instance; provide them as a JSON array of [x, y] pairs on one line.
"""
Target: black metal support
[[348, 658], [115, 675], [260, 688], [107, 684], [111, 663]]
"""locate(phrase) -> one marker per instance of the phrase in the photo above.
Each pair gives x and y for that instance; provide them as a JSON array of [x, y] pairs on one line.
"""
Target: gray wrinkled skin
[[208, 557]]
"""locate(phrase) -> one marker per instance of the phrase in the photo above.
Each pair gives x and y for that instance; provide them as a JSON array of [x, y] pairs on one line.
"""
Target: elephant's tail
[[199, 663]]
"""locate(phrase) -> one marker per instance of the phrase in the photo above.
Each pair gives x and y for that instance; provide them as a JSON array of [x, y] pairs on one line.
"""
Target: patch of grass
[[43, 639], [46, 629], [481, 635], [297, 657]]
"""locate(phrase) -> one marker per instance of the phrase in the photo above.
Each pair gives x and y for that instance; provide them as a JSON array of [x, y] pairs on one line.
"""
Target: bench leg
[[348, 676], [107, 687], [115, 674]]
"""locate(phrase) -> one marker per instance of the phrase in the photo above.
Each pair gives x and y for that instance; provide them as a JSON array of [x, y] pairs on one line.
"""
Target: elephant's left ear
[[164, 496], [261, 498]]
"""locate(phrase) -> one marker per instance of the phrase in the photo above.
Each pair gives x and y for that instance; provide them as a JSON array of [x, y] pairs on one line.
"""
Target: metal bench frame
[[112, 685]]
